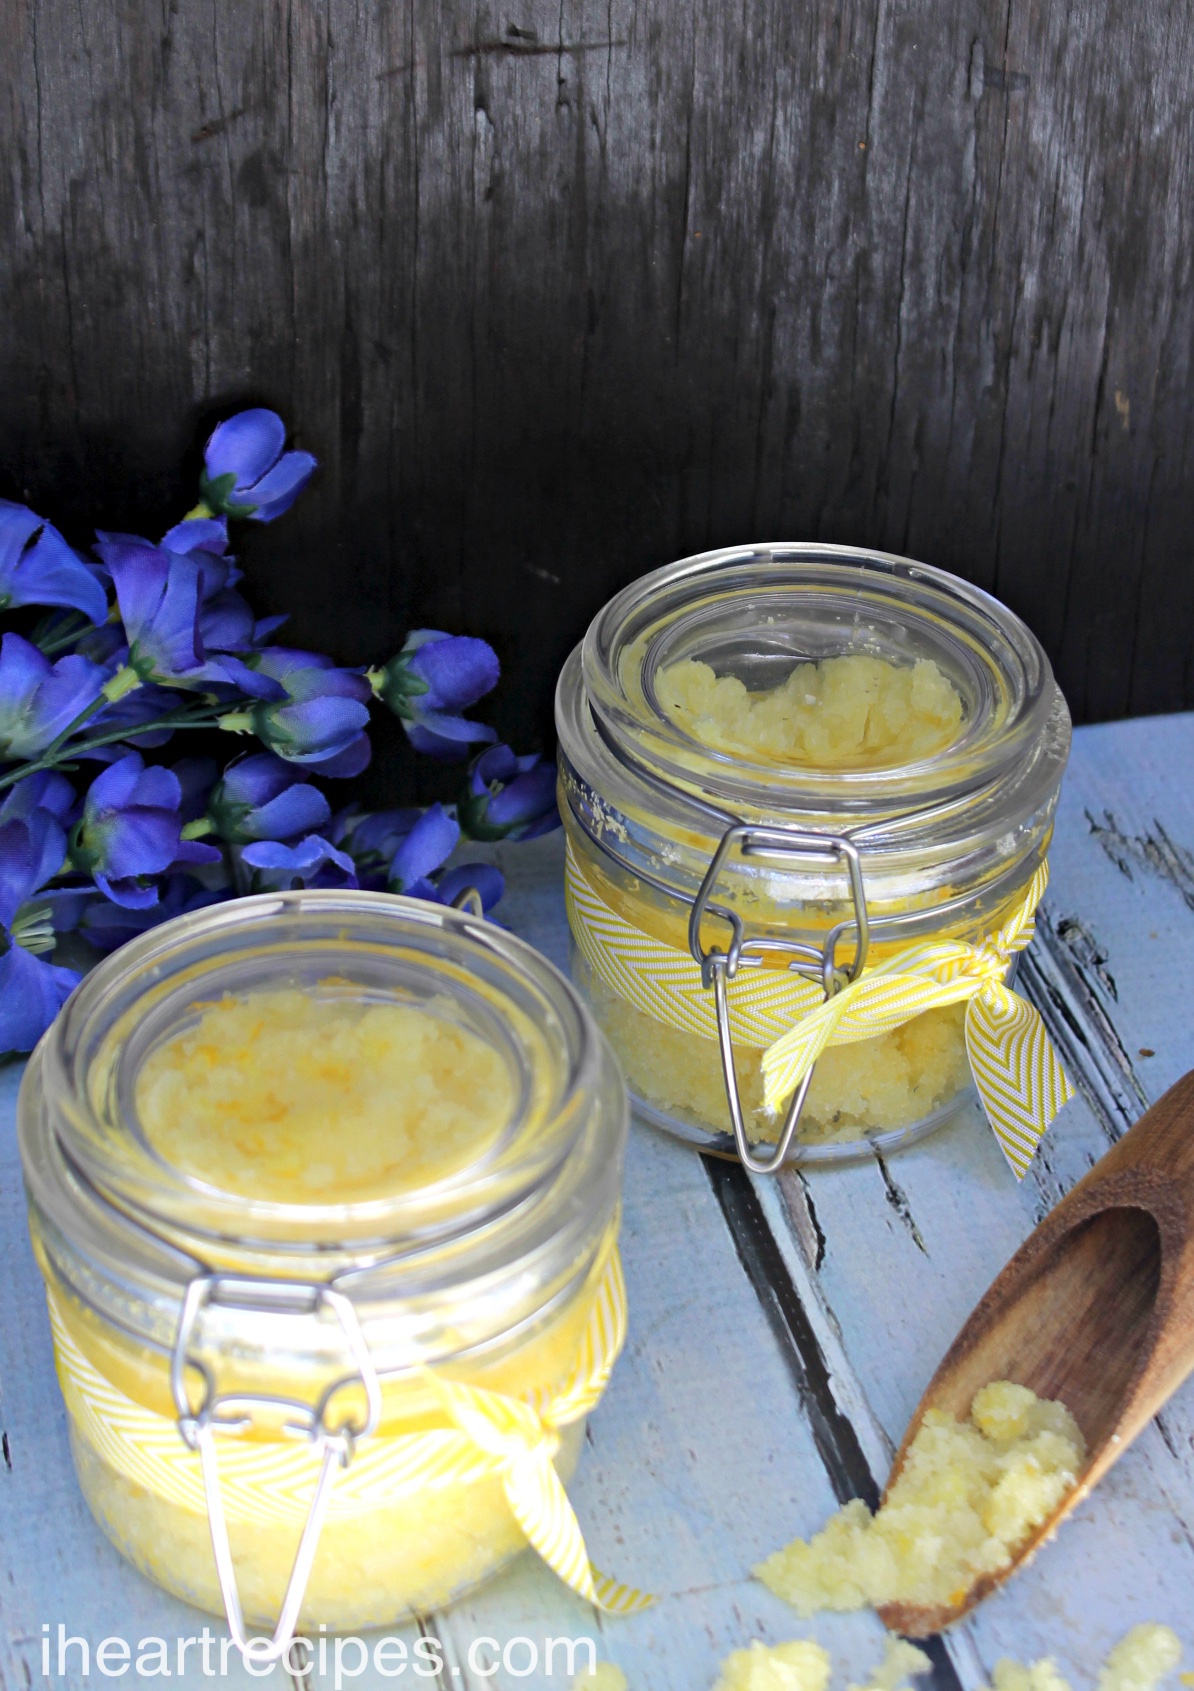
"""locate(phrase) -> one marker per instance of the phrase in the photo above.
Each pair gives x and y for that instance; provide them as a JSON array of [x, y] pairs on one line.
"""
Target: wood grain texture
[[1096, 1310], [560, 291]]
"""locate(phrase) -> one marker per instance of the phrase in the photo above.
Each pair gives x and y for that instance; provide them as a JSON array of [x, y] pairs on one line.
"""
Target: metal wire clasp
[[815, 963], [232, 1412]]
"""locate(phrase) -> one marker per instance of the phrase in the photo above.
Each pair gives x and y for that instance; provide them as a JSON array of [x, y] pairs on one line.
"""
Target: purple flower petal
[[256, 778], [545, 824], [140, 571], [497, 764], [312, 862], [286, 663], [278, 489], [315, 730], [18, 525], [301, 809], [225, 670], [446, 737], [245, 446], [196, 776], [106, 925], [373, 838], [32, 992], [197, 534], [343, 765], [160, 597], [137, 843], [32, 849], [47, 790], [267, 626], [117, 786], [226, 623], [526, 798], [130, 893], [195, 851], [427, 846], [458, 671], [39, 699], [46, 572]]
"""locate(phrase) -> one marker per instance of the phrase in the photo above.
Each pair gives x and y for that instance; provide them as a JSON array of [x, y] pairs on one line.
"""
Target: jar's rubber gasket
[[722, 1146]]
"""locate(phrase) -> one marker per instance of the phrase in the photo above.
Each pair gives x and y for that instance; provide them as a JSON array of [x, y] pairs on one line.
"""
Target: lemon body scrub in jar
[[325, 1190], [783, 769]]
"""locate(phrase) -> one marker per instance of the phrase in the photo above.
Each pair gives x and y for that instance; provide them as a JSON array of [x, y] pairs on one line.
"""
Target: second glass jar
[[710, 696]]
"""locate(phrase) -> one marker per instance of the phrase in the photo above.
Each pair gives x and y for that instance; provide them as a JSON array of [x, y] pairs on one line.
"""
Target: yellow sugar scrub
[[967, 1497], [799, 1666], [1141, 1659], [604, 1677], [850, 712], [901, 1663], [804, 1665], [1139, 1662], [876, 1084], [1042, 1675], [277, 1094], [770, 711], [356, 1153]]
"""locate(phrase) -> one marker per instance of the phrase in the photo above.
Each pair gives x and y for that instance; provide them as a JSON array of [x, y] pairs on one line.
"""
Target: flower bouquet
[[145, 641]]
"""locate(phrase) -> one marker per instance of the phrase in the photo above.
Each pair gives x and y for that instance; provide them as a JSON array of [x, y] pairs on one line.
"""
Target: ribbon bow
[[521, 1440], [1019, 1078]]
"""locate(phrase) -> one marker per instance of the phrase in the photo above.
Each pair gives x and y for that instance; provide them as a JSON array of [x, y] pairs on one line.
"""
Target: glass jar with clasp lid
[[325, 1189], [785, 772]]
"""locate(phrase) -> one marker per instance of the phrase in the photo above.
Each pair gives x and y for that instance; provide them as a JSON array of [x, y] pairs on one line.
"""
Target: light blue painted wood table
[[781, 1333]]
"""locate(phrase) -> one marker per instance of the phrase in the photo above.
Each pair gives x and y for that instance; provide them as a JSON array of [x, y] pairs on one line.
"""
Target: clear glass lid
[[658, 796]]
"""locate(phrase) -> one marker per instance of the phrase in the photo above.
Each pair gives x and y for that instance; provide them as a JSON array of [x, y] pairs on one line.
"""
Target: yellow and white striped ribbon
[[1016, 1071], [491, 1435]]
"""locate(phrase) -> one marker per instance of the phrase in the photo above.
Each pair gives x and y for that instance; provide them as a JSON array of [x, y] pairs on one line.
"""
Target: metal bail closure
[[232, 1412], [814, 963]]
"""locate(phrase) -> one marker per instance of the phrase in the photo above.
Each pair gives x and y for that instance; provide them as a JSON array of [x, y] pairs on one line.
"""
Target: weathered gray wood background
[[559, 291]]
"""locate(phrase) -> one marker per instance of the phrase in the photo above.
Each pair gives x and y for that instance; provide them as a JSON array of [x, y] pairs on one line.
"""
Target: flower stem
[[177, 719], [50, 755]]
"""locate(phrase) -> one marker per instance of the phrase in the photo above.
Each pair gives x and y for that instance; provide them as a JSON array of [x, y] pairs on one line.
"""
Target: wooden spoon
[[1096, 1308]]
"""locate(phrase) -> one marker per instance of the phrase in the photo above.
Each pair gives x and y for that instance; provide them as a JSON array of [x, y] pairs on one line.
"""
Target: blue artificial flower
[[262, 798], [130, 832], [32, 991], [433, 678], [171, 619], [321, 718], [105, 925], [245, 471], [403, 850], [39, 699], [508, 797], [313, 862], [372, 839], [37, 567]]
